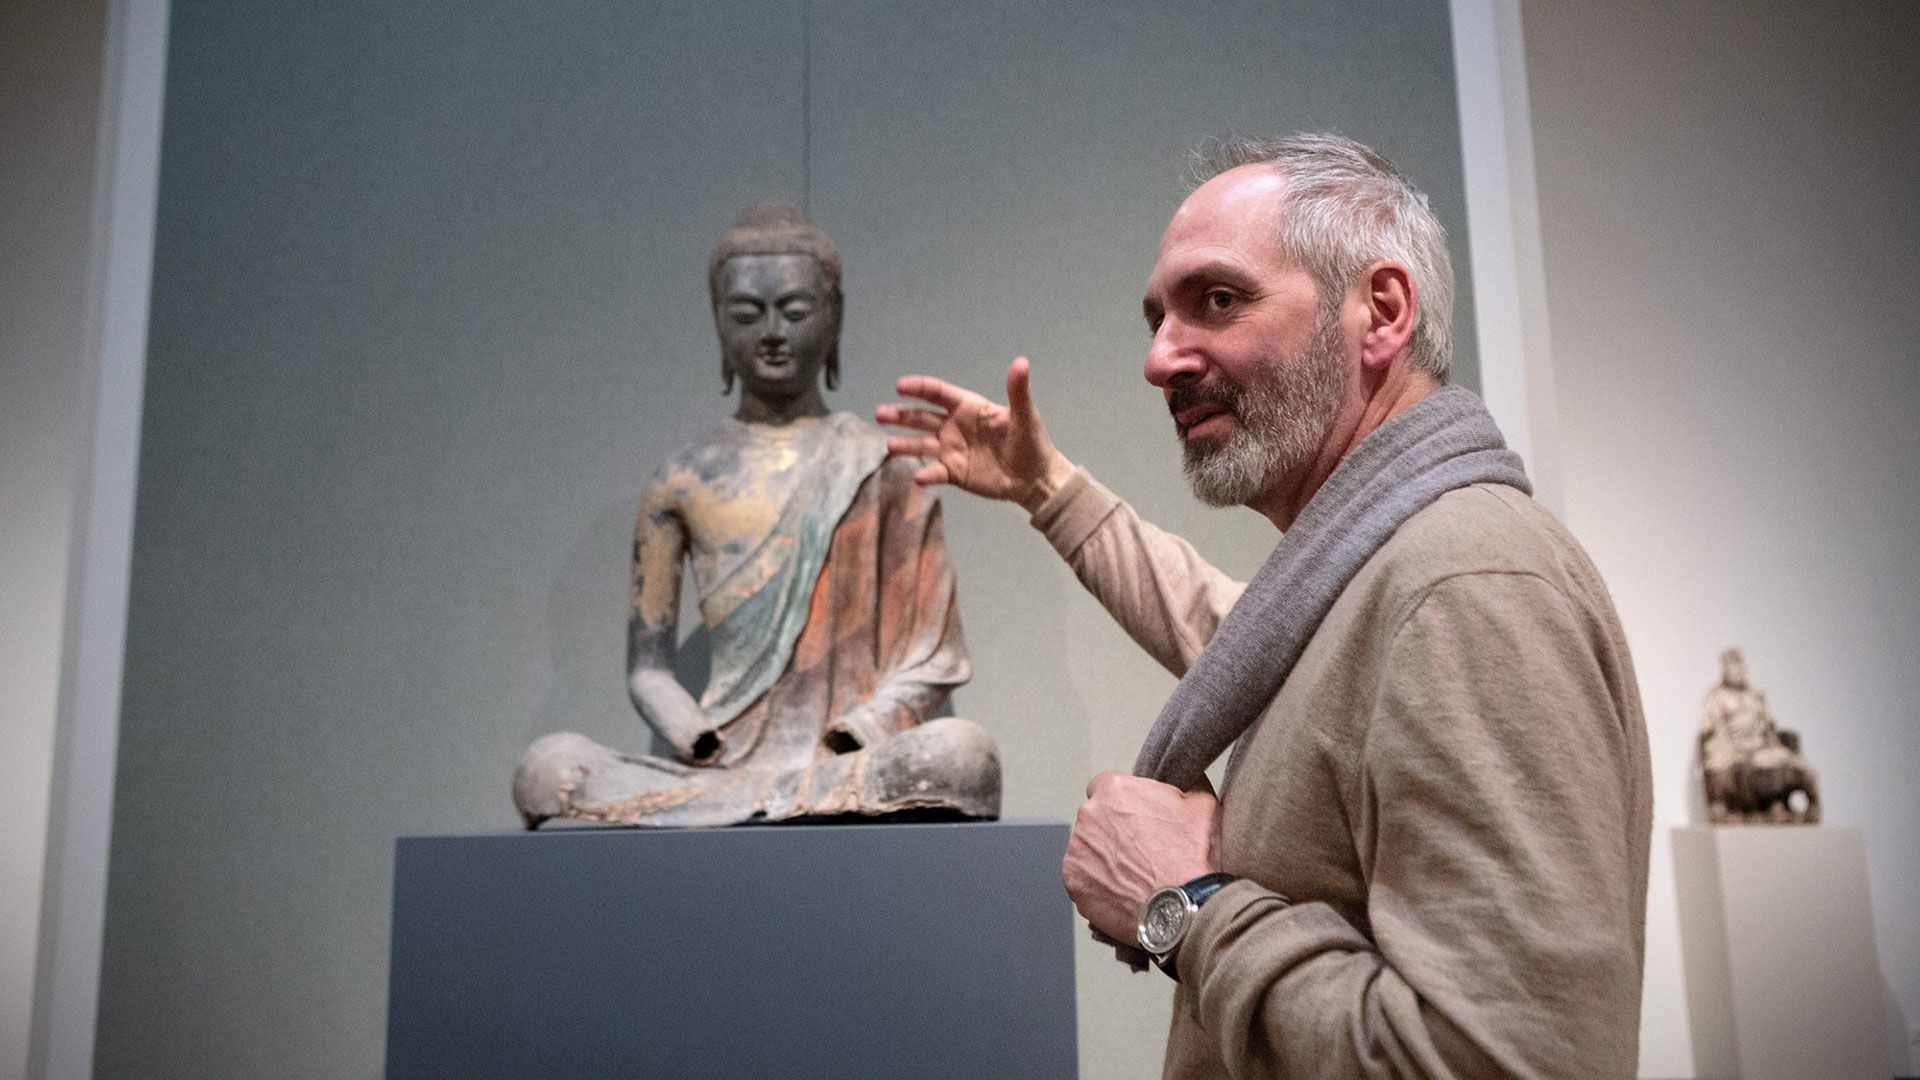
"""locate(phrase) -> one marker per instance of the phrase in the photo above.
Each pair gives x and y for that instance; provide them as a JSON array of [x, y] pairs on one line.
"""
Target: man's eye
[[1219, 299]]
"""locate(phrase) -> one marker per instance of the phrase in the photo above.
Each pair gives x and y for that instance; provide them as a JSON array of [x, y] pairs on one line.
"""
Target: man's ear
[[1392, 306]]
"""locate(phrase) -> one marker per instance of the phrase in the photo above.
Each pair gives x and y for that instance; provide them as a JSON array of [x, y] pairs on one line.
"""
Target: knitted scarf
[[1446, 441]]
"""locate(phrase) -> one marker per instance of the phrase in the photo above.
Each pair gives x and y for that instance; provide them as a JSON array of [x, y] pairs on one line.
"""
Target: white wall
[[50, 65], [80, 118], [1727, 199]]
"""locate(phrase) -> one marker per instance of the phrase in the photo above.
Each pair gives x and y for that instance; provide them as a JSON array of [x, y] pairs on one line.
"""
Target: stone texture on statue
[[822, 578], [1752, 770]]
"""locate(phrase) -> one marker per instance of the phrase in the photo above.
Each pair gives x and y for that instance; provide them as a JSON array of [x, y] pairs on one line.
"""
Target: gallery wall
[[429, 303], [50, 76], [1730, 232]]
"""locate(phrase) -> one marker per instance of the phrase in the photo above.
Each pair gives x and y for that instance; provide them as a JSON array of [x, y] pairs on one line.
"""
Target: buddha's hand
[[995, 451], [674, 714], [702, 747], [855, 730]]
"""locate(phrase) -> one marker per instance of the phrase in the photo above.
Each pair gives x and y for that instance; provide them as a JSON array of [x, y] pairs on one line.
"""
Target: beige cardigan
[[1452, 789]]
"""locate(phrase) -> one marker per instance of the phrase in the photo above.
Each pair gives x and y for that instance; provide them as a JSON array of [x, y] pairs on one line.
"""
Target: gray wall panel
[[428, 304]]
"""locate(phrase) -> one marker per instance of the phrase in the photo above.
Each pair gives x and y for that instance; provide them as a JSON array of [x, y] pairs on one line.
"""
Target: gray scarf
[[1445, 441]]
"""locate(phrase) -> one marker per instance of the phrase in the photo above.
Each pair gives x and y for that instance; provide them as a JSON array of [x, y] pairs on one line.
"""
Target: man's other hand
[[1132, 837], [995, 451]]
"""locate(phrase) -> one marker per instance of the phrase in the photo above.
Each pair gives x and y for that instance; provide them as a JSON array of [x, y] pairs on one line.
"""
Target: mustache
[[1224, 395]]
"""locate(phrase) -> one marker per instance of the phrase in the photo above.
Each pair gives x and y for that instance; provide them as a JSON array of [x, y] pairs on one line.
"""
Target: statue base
[[926, 950], [1776, 932]]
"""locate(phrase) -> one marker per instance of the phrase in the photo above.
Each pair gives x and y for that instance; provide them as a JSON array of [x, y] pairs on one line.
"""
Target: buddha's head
[[775, 285], [1733, 669]]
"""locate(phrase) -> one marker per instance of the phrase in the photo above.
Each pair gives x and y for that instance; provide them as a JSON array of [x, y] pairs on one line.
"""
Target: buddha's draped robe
[[843, 615], [845, 608]]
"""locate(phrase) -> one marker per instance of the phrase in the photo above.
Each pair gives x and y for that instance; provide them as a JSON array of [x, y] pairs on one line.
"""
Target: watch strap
[[1199, 891], [1202, 888]]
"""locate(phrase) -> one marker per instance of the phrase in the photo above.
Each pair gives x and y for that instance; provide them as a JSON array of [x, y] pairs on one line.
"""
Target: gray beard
[[1283, 418]]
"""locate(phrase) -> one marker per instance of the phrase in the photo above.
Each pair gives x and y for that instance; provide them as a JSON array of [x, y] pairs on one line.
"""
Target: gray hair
[[1346, 208]]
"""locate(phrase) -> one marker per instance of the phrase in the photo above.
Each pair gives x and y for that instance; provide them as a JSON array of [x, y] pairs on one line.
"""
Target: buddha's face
[[1733, 669], [777, 327]]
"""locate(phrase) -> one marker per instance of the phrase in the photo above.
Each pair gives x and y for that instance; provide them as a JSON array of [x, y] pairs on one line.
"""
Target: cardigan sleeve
[[1154, 584]]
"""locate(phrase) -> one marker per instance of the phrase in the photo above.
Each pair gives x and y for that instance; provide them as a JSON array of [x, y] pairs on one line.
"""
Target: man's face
[[776, 328], [1253, 367]]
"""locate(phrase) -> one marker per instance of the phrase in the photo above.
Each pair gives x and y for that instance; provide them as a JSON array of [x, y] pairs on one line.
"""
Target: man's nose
[[1170, 362]]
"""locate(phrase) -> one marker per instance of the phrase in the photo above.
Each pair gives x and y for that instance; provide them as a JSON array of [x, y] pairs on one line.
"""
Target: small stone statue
[[1753, 771], [823, 582]]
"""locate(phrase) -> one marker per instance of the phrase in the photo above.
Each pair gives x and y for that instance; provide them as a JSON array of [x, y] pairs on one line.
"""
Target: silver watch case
[[1164, 922]]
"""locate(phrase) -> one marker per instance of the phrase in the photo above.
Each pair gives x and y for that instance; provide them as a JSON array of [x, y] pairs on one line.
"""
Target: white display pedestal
[[1776, 931]]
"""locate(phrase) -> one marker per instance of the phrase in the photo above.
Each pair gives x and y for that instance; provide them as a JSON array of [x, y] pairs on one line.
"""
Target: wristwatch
[[1168, 916]]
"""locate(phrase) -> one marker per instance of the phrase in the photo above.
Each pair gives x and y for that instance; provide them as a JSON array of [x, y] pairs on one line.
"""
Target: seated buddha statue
[[1752, 769], [822, 579]]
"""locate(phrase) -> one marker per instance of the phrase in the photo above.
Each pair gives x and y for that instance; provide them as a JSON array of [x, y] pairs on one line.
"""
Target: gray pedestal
[[796, 951], [1777, 935]]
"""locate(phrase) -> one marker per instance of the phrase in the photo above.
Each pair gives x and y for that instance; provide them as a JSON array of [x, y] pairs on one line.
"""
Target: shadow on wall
[[586, 607], [1898, 1032]]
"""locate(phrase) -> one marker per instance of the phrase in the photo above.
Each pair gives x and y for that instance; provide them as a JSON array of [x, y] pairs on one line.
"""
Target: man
[[1429, 854]]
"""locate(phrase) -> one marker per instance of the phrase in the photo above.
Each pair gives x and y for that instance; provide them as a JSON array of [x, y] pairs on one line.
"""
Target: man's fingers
[[921, 419], [1143, 786], [1020, 389], [925, 446], [933, 391], [888, 412], [1102, 781], [932, 474]]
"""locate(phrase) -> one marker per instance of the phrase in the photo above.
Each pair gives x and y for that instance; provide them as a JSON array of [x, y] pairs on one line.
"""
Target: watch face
[[1163, 921]]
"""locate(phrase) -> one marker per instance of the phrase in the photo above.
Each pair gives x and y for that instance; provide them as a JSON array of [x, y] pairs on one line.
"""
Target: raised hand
[[995, 451]]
